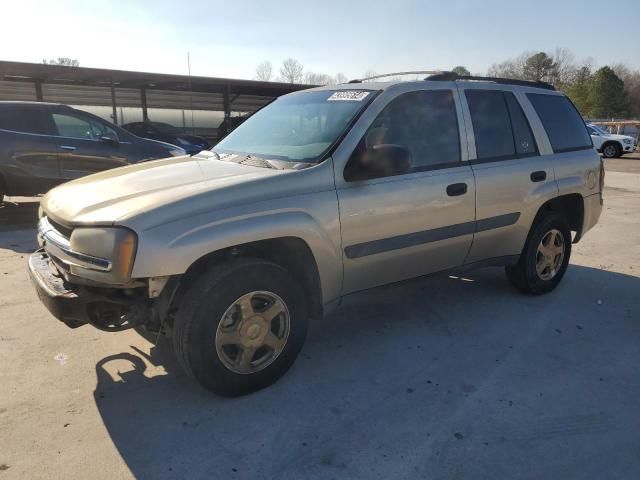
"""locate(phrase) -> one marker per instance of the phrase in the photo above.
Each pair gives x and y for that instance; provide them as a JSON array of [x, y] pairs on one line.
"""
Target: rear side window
[[21, 119], [562, 122]]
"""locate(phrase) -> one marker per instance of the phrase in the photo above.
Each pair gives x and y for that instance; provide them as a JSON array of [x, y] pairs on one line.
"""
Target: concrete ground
[[447, 377]]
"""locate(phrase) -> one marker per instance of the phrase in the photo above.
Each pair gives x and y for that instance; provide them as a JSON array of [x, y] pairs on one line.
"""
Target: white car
[[609, 144]]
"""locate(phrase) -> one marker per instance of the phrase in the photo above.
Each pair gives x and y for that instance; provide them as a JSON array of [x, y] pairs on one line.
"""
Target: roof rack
[[415, 72], [452, 76]]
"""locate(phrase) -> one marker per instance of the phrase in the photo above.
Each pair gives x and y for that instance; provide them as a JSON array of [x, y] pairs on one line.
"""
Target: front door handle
[[456, 189], [539, 176], [68, 147]]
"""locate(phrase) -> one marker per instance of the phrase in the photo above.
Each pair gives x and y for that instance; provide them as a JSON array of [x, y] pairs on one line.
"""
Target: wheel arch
[[616, 143], [290, 252], [570, 206]]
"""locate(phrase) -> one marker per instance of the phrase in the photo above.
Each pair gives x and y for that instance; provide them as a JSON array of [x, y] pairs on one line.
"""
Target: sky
[[230, 38]]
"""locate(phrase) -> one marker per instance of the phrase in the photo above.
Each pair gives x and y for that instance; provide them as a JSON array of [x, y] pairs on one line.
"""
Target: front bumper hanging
[[77, 305]]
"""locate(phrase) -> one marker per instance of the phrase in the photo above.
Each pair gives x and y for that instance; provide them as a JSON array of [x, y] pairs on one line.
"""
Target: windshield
[[299, 127], [599, 130]]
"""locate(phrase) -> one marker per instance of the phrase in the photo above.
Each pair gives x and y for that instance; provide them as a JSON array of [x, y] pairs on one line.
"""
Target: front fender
[[171, 249]]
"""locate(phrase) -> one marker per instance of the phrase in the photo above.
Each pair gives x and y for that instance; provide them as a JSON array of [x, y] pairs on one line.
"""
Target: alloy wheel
[[550, 254], [253, 332]]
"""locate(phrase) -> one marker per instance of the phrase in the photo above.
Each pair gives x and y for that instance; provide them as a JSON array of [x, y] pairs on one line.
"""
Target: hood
[[114, 195], [615, 136]]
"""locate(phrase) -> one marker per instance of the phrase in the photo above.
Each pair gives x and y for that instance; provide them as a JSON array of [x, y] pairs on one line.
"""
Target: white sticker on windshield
[[348, 96]]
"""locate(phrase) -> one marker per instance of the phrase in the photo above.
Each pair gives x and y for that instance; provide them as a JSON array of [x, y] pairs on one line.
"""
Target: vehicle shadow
[[450, 376], [17, 226]]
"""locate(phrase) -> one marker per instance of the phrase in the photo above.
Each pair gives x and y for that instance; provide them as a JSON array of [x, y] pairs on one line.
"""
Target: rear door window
[[74, 126], [523, 137], [21, 119], [562, 122], [491, 125]]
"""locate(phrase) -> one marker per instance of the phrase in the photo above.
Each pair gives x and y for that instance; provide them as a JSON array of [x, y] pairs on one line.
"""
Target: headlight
[[177, 152], [627, 140], [116, 245]]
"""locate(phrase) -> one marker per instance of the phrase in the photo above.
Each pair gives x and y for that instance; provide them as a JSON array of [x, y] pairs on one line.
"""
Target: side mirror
[[110, 138], [382, 160]]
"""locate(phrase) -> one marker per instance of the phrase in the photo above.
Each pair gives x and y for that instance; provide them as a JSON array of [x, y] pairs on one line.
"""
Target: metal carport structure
[[121, 88]]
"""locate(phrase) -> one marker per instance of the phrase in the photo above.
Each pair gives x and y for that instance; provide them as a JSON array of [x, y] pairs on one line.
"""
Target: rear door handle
[[68, 147], [539, 176], [456, 189]]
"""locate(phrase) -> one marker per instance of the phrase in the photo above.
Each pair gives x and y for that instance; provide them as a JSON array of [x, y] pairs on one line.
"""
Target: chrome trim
[[60, 247], [68, 147]]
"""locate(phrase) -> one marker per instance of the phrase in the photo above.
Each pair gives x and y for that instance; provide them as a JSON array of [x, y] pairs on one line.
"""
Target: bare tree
[[369, 73], [64, 61], [264, 71], [291, 70], [566, 68], [340, 78], [312, 78], [511, 68]]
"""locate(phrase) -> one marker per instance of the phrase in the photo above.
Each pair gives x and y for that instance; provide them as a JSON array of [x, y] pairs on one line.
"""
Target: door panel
[[512, 179], [506, 188], [31, 166], [83, 157], [406, 226]]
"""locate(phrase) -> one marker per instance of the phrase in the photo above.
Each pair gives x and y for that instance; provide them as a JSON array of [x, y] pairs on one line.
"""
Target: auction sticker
[[348, 96]]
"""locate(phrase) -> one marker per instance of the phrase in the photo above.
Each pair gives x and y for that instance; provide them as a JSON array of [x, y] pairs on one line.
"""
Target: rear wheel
[[611, 150], [545, 257], [239, 328]]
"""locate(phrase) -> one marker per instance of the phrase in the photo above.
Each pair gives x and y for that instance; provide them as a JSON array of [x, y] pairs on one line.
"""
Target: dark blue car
[[169, 134]]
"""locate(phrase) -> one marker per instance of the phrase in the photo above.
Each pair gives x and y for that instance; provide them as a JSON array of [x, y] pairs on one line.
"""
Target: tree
[[369, 73], [607, 96], [340, 78], [566, 67], [264, 71], [312, 78], [631, 81], [291, 70], [64, 61], [578, 90], [540, 67], [460, 70], [512, 68]]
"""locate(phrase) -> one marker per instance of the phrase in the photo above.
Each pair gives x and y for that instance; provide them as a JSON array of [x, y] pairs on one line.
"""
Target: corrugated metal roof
[[92, 86]]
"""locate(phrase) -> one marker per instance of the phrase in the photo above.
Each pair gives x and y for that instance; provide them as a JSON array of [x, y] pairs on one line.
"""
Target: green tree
[[578, 90], [462, 71], [540, 67], [607, 96]]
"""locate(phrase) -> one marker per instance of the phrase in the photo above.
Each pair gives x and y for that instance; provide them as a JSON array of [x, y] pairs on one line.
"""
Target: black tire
[[523, 275], [611, 150], [201, 310]]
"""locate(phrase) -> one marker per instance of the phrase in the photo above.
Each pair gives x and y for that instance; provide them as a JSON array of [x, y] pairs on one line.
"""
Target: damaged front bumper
[[108, 309]]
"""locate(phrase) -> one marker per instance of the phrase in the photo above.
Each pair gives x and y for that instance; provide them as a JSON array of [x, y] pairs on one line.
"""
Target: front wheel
[[545, 257], [240, 327], [611, 150]]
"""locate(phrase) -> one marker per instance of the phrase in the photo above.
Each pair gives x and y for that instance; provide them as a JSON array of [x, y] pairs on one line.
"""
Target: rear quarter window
[[562, 122], [21, 119]]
